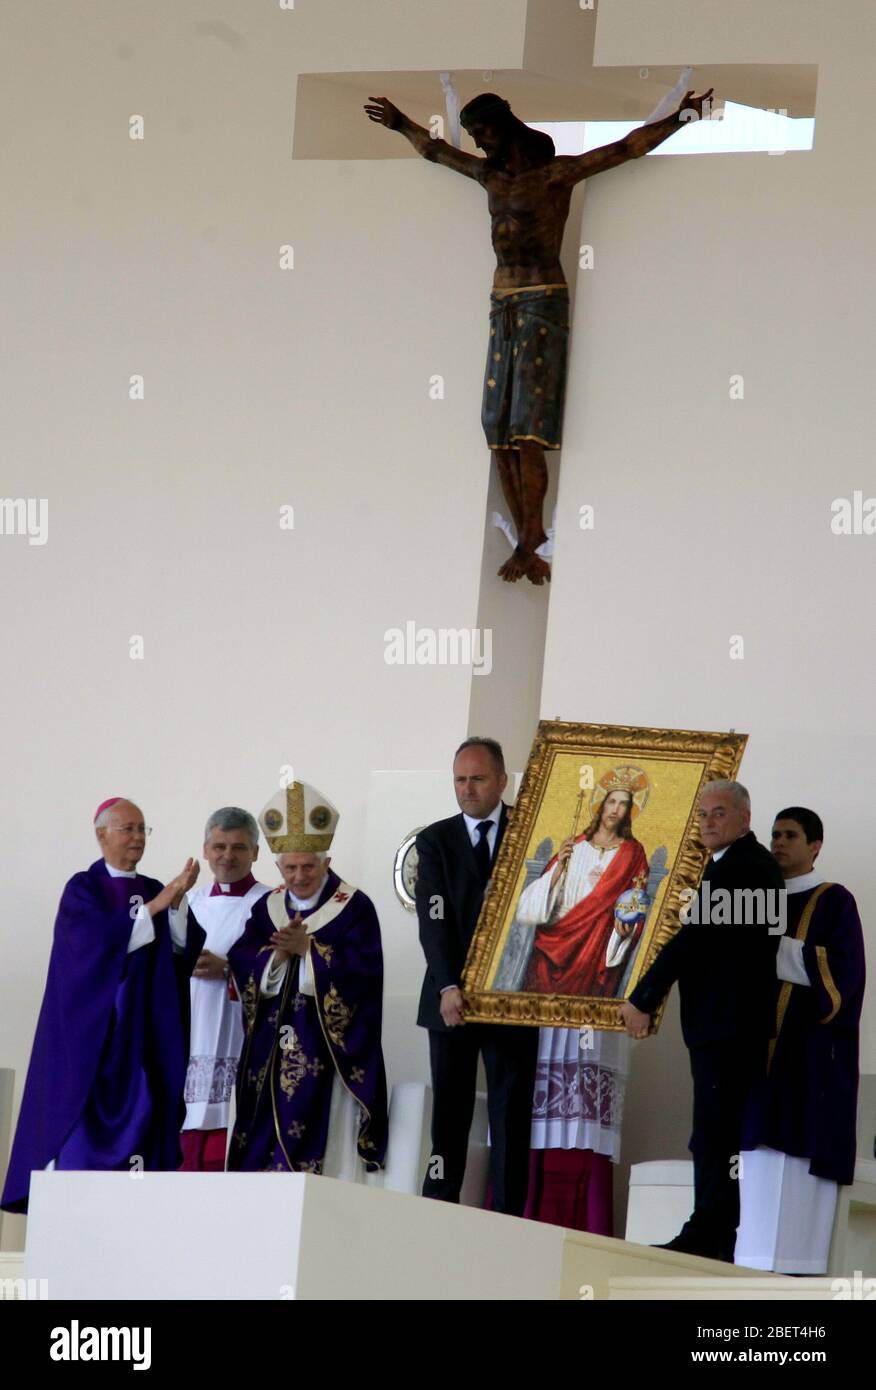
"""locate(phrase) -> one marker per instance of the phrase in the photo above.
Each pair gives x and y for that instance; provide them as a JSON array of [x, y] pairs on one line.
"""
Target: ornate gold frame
[[720, 754]]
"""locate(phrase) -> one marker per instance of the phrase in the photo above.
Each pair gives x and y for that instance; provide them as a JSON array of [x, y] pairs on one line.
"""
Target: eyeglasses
[[145, 830]]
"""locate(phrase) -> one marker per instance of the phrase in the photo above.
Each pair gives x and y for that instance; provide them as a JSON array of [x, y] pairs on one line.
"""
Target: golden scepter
[[585, 784]]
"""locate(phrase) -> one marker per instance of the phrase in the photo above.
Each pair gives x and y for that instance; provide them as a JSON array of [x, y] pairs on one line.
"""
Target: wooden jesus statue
[[528, 189]]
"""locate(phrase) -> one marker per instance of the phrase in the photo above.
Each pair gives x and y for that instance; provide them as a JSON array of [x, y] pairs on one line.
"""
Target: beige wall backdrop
[[713, 515], [264, 388], [309, 388]]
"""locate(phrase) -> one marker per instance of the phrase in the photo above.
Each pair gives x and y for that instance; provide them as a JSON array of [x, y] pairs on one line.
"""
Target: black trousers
[[509, 1061], [724, 1076]]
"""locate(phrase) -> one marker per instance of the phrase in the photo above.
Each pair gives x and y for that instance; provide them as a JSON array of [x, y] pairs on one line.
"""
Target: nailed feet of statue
[[525, 564]]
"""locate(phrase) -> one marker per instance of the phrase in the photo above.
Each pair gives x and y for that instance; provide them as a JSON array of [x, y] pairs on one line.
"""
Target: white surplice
[[217, 1026], [580, 1076], [580, 1080]]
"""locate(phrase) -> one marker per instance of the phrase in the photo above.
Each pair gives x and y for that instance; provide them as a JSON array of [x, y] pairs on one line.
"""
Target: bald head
[[121, 834]]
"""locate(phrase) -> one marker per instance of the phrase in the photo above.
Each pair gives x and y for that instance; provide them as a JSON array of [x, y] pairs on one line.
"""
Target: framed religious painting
[[601, 854]]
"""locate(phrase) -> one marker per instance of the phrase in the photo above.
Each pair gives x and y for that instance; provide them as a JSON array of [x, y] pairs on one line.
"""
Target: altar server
[[311, 1086], [799, 1131], [104, 1088], [231, 845]]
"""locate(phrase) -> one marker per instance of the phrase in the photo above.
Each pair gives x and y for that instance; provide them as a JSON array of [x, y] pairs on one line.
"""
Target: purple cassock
[[107, 1070], [807, 1104], [297, 1043]]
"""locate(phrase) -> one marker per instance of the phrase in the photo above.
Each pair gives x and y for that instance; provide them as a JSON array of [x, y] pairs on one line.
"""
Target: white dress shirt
[[472, 823]]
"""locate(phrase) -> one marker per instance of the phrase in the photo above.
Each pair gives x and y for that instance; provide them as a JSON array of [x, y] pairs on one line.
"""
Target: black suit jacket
[[448, 896], [726, 974]]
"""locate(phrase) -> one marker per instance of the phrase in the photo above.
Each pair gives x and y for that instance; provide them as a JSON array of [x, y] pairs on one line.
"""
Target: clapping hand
[[290, 940], [172, 894]]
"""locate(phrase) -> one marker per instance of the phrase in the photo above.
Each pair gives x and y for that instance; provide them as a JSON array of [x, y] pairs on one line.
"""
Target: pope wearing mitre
[[311, 1086]]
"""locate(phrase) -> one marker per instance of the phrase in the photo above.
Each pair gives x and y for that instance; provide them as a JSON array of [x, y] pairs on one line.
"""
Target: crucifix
[[529, 188]]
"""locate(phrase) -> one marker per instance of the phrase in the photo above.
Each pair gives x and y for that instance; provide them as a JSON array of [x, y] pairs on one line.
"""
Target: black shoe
[[689, 1245], [680, 1243]]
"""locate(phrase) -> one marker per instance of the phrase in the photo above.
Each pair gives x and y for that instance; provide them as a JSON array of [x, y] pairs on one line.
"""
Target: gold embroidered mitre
[[299, 820]]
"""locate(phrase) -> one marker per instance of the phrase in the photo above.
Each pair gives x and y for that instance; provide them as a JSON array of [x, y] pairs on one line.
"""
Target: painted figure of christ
[[528, 189], [580, 947]]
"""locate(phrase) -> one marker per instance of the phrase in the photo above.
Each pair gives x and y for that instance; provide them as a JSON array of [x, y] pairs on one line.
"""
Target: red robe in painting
[[568, 956]]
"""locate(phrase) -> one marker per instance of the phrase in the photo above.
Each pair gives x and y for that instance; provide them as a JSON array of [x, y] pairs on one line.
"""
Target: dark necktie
[[482, 850]]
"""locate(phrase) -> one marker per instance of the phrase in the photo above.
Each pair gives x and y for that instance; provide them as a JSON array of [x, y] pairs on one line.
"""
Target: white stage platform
[[295, 1236]]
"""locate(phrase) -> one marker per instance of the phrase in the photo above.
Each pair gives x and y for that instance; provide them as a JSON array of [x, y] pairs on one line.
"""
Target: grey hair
[[232, 818], [321, 854], [736, 790]]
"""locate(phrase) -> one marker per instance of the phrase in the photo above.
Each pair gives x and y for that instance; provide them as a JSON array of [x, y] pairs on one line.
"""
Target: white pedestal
[[293, 1236], [275, 1236]]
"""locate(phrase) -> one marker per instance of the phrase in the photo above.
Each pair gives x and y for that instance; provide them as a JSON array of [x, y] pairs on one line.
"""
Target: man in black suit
[[455, 859], [724, 959]]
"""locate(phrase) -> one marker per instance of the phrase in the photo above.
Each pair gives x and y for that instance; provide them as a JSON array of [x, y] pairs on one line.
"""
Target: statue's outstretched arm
[[574, 168], [382, 111]]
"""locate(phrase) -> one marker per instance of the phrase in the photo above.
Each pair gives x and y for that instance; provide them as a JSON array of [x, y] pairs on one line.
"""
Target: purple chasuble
[[807, 1104], [296, 1043], [107, 1068]]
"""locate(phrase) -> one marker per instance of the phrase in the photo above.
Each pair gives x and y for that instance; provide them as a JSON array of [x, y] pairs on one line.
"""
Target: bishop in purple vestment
[[105, 1083], [309, 971]]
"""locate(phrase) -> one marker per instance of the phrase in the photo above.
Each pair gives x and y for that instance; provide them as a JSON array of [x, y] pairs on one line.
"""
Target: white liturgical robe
[[580, 1074], [217, 1027]]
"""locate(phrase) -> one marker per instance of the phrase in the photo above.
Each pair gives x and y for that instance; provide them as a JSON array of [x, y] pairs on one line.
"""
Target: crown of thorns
[[484, 107]]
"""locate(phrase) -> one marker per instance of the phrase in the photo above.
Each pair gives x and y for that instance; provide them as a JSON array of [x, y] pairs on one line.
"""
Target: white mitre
[[299, 820]]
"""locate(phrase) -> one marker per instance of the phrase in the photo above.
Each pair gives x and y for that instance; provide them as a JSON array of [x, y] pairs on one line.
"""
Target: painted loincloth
[[525, 377]]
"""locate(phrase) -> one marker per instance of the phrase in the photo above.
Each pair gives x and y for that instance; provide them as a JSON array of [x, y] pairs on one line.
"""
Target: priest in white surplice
[[231, 840]]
